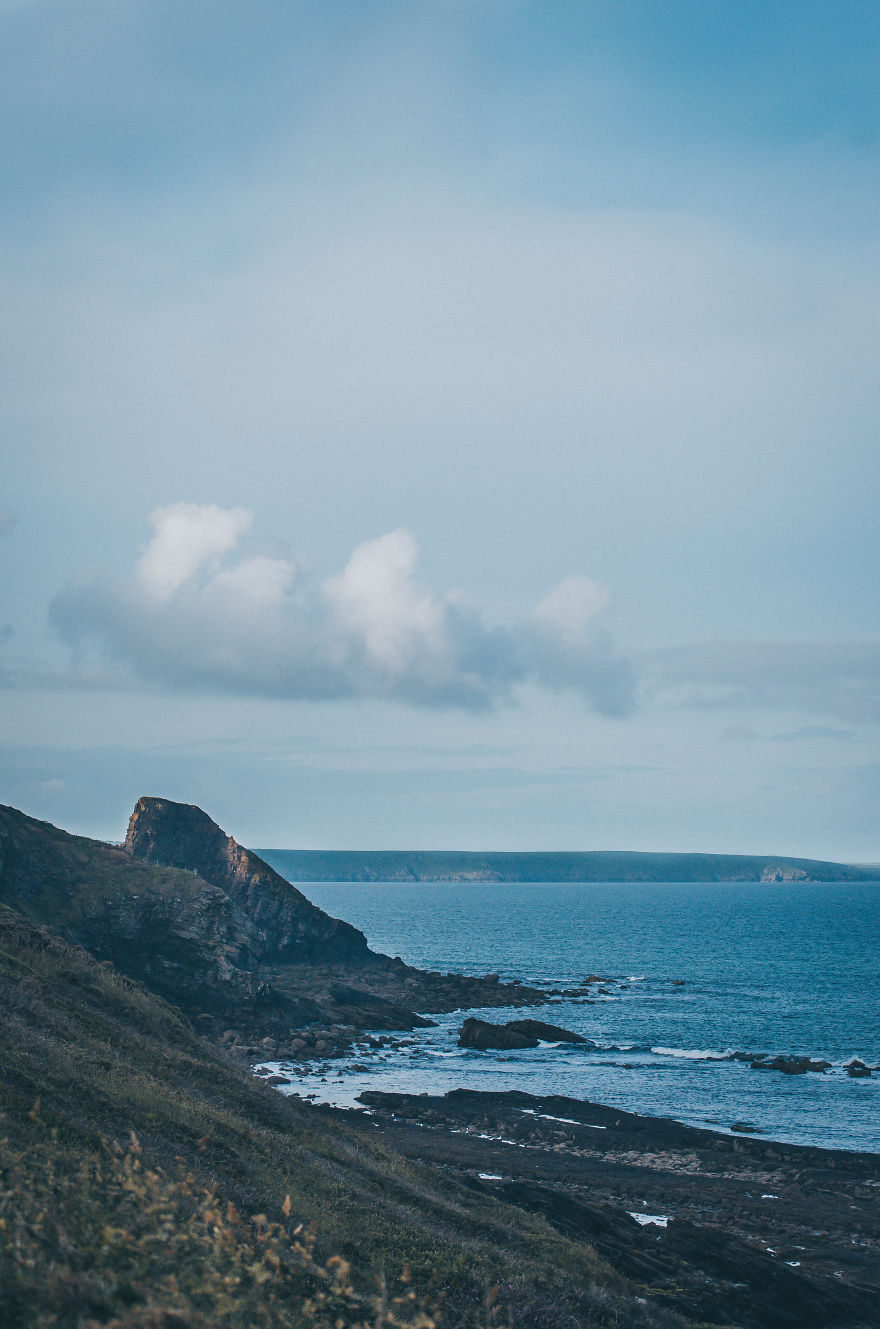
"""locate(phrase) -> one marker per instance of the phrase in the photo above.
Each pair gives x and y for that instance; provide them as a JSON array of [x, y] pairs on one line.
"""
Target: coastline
[[705, 1218], [638, 1214]]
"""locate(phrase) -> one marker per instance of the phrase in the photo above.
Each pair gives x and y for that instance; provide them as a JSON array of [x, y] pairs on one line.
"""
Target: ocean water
[[695, 972]]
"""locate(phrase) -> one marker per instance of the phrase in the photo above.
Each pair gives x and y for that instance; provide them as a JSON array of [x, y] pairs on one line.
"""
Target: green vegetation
[[147, 1183]]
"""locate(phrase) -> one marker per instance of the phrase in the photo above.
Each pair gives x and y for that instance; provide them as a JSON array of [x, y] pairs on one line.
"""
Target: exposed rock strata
[[289, 927]]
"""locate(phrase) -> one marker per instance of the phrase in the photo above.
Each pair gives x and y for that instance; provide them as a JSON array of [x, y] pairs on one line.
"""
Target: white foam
[[690, 1054], [659, 1220], [568, 1121], [489, 1176]]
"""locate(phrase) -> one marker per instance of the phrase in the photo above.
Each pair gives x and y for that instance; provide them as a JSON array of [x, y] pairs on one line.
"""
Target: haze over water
[[766, 968]]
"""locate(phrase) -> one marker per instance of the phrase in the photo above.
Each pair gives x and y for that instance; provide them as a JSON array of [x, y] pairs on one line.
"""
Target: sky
[[444, 423]]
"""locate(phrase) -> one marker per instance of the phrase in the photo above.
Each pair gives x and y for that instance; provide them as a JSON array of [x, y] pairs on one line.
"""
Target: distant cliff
[[610, 866]]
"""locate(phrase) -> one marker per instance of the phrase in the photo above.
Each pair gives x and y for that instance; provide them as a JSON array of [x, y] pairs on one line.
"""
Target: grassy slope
[[60, 875], [135, 1186]]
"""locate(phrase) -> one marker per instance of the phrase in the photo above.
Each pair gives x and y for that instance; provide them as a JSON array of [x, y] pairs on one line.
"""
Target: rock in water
[[790, 1065], [547, 1033], [482, 1034]]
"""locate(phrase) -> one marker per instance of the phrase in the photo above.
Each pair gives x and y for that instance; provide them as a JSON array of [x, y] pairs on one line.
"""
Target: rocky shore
[[722, 1228], [730, 1230]]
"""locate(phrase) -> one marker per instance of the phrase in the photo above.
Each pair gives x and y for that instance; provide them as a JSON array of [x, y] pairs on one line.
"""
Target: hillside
[[148, 1183], [212, 928], [610, 866]]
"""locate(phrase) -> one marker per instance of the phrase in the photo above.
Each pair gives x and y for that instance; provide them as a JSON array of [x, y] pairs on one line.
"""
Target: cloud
[[197, 613], [836, 678], [188, 536]]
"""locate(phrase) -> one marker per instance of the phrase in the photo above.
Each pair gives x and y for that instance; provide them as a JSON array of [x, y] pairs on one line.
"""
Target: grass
[[147, 1183]]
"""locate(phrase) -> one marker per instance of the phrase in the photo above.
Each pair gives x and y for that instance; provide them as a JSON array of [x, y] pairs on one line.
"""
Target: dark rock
[[482, 1034], [857, 1069], [374, 1012], [791, 1065], [548, 1033], [746, 1128], [728, 1255], [290, 927]]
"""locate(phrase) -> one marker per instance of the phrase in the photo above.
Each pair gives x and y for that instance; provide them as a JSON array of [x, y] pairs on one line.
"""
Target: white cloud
[[256, 583], [188, 535], [570, 608], [378, 601], [252, 626]]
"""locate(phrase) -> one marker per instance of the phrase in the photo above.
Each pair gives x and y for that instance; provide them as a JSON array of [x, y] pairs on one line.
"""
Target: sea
[[693, 974]]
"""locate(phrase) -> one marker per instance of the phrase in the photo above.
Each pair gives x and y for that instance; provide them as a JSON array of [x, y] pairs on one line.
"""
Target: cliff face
[[211, 927], [182, 936], [288, 927]]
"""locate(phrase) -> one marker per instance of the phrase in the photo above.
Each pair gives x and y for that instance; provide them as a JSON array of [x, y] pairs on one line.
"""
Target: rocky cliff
[[288, 927], [181, 935], [209, 926]]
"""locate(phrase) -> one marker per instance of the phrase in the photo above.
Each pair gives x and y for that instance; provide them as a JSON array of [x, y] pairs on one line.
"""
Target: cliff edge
[[211, 927], [290, 928]]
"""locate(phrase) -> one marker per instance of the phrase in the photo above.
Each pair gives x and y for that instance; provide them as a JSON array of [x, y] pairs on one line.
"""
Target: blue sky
[[444, 424]]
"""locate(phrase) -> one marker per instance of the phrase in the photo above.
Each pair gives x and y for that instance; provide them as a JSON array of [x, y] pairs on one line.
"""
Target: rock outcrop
[[482, 1034], [184, 937], [289, 928], [211, 927], [790, 1065]]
